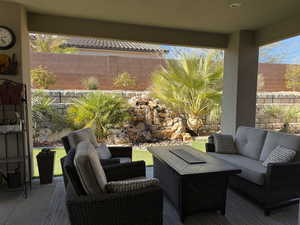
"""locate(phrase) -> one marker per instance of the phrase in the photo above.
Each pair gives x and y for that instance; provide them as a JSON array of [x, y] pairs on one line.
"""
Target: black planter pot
[[14, 179], [45, 160]]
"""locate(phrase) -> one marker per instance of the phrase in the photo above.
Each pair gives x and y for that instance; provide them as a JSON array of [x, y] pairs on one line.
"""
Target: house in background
[[105, 47], [102, 59]]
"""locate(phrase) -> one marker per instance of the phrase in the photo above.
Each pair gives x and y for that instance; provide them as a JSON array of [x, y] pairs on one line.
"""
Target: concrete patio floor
[[45, 206]]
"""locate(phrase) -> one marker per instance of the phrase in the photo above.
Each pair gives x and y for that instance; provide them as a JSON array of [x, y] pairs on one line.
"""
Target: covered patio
[[46, 206], [239, 27]]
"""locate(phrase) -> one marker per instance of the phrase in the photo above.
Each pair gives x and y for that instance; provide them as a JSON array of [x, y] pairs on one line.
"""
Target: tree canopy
[[191, 87], [50, 43]]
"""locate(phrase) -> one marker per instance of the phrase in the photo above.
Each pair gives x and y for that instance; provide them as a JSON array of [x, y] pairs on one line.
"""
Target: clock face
[[7, 38]]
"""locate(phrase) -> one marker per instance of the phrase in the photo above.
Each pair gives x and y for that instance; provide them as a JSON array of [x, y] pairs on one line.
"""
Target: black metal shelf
[[11, 132], [18, 156], [12, 160]]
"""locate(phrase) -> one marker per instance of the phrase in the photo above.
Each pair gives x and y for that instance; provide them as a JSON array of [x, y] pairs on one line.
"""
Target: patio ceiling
[[209, 17]]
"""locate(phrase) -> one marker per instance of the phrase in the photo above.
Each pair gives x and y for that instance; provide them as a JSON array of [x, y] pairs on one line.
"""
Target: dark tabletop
[[212, 165]]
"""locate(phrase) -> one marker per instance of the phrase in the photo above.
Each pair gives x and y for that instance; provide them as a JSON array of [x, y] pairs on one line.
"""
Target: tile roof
[[92, 43]]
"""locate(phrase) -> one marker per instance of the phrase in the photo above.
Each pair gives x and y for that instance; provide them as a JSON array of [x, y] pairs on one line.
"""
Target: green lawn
[[136, 156]]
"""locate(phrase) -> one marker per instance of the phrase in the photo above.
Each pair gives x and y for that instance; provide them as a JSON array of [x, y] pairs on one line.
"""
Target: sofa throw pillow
[[224, 144], [280, 154], [103, 152], [89, 168], [130, 185]]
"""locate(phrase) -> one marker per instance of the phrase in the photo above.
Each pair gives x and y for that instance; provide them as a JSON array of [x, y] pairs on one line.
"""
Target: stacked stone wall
[[153, 122]]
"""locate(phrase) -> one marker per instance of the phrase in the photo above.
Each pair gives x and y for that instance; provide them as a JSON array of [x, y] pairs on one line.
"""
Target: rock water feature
[[151, 122]]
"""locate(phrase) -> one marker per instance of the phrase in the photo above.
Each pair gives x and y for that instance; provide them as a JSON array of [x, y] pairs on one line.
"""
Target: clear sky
[[287, 51]]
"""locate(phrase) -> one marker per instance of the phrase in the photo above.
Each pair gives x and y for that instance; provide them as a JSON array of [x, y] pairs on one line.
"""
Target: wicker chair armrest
[[283, 176], [125, 171], [121, 151], [209, 147], [65, 177], [66, 143], [139, 207], [108, 162]]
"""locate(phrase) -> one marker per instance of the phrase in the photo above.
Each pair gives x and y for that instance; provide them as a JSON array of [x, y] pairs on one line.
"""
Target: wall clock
[[7, 38]]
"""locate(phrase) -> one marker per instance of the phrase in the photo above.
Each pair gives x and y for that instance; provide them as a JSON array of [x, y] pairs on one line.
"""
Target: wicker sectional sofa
[[273, 186]]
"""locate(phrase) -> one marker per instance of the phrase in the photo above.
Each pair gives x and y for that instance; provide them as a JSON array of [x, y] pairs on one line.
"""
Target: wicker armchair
[[118, 152], [139, 207]]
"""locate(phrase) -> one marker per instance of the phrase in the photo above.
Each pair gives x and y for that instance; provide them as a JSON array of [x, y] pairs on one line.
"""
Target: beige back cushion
[[85, 134], [89, 168]]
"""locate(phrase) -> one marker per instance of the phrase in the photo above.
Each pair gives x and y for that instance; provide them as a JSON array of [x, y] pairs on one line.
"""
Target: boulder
[[147, 135], [156, 119], [176, 136], [187, 137], [140, 127]]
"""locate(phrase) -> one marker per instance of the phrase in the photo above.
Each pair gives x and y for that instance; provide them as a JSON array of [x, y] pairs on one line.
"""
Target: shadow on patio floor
[[45, 206]]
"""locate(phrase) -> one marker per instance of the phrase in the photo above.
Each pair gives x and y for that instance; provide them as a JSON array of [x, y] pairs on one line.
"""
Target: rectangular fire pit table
[[193, 181]]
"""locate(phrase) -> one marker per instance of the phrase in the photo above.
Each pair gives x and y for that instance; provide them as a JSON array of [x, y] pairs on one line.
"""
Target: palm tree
[[99, 111], [191, 87], [49, 43]]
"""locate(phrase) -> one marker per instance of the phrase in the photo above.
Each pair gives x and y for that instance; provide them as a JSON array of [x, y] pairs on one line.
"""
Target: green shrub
[[42, 78], [124, 81], [43, 112], [99, 111], [90, 83], [285, 114]]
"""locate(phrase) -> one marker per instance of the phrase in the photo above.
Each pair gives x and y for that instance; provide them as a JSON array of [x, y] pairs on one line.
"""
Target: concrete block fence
[[63, 98]]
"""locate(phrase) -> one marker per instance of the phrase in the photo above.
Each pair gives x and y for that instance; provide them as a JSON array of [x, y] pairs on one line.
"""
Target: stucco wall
[[70, 70], [274, 76]]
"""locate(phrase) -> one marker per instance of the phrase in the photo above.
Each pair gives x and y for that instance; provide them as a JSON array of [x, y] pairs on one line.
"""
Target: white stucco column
[[240, 81], [14, 16]]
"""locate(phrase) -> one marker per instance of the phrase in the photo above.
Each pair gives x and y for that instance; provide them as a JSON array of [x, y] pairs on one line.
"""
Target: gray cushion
[[103, 151], [130, 185], [274, 139], [252, 170], [89, 168], [249, 141], [124, 159], [85, 134], [76, 137], [224, 144], [280, 155], [92, 136]]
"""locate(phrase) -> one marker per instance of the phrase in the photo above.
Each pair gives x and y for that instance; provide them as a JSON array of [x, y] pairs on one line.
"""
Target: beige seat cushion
[[89, 168]]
